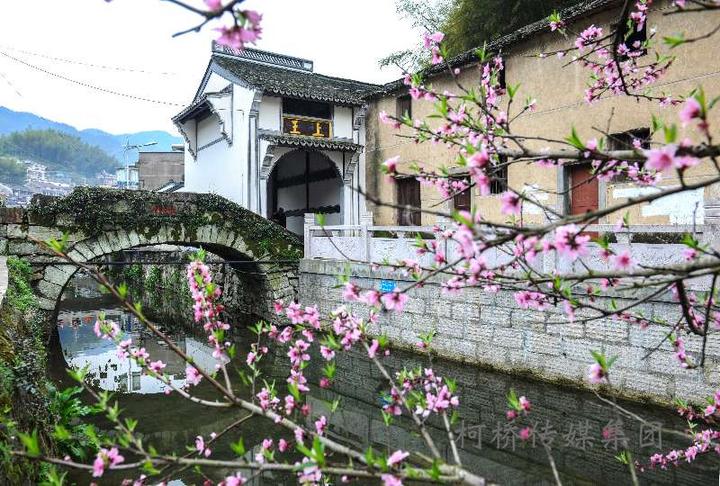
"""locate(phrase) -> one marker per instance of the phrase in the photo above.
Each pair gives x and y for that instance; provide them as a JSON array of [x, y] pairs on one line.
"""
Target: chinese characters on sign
[[307, 127]]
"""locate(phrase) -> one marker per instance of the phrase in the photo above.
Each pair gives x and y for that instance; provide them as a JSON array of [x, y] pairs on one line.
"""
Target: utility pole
[[127, 147]]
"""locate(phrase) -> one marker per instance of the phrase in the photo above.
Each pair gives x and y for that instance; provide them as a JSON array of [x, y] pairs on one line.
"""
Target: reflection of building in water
[[83, 286], [107, 371]]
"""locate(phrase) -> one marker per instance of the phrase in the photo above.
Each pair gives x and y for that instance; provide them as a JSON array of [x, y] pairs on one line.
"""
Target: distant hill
[[57, 150], [15, 121]]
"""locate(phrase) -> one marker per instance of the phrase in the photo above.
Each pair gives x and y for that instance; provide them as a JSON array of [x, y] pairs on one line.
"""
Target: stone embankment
[[491, 330]]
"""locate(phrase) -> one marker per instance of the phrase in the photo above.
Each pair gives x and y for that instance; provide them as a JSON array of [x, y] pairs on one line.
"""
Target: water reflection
[[488, 447], [81, 348]]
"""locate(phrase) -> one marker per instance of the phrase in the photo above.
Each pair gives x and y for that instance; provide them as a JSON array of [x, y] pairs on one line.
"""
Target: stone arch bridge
[[99, 222]]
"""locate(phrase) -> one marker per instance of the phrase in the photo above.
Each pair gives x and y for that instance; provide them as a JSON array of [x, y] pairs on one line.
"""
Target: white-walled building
[[268, 133]]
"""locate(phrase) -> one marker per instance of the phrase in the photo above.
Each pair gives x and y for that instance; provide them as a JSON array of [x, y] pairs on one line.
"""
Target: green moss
[[98, 210], [24, 398]]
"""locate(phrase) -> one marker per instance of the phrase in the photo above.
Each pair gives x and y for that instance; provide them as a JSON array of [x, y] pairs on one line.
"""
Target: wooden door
[[462, 201], [583, 189], [408, 194], [583, 192]]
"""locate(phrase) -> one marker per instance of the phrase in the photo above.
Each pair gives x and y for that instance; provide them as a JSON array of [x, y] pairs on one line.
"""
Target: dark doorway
[[408, 194]]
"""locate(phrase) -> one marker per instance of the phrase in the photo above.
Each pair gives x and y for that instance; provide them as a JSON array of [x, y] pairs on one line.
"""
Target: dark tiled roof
[[294, 82], [304, 141], [569, 15], [199, 105]]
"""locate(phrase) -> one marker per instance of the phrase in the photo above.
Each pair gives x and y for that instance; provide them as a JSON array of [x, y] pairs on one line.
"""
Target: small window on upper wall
[[634, 39], [501, 77], [628, 141], [404, 106], [499, 178], [310, 109]]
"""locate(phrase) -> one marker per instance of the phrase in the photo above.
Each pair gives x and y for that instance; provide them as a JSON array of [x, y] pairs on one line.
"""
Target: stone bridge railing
[[98, 222]]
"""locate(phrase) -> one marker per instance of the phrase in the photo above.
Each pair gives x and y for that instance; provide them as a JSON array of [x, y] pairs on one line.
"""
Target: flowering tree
[[478, 126]]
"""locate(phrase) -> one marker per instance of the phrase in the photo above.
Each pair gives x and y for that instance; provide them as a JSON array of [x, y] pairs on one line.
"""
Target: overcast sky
[[344, 38]]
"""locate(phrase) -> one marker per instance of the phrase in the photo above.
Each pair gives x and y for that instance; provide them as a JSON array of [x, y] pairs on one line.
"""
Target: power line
[[87, 85], [93, 65], [12, 86]]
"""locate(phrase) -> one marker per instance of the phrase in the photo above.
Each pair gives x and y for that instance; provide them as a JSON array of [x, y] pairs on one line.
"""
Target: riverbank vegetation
[[32, 409]]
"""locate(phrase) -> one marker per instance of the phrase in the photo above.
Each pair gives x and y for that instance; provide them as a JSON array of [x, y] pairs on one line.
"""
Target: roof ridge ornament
[[264, 57]]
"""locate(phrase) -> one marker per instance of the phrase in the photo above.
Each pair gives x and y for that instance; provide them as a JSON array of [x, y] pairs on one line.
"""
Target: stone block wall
[[555, 409], [491, 330]]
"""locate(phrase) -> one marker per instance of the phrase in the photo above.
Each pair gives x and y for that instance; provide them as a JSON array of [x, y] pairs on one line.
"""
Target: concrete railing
[[363, 242], [656, 245]]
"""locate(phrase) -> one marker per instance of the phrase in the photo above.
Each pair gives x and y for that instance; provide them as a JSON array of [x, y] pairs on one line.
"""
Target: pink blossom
[[372, 350], [350, 292], [106, 329], [390, 165], [596, 374], [371, 297], [525, 433], [685, 162], [157, 366], [661, 159], [690, 111], [525, 404], [689, 254], [436, 56], [106, 459], [237, 36], [200, 446], [278, 305], [623, 260], [570, 243], [253, 17], [122, 348], [214, 5], [397, 457], [192, 375], [510, 203], [478, 160], [282, 445], [434, 38], [394, 300], [320, 425], [234, 480], [390, 480], [98, 466], [299, 435], [327, 353]]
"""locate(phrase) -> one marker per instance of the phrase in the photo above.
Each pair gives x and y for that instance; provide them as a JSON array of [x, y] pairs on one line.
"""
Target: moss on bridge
[[98, 210]]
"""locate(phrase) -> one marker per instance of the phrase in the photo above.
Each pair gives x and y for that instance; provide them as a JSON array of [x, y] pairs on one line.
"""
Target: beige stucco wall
[[560, 105]]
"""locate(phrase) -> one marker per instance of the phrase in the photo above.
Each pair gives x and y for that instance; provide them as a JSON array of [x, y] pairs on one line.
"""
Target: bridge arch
[[99, 222]]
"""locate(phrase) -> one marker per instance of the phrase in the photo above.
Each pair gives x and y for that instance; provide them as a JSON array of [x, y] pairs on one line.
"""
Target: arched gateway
[[101, 221]]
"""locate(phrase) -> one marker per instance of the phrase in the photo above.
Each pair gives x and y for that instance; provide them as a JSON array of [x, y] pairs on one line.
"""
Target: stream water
[[583, 432]]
